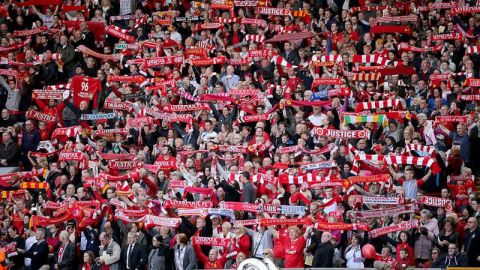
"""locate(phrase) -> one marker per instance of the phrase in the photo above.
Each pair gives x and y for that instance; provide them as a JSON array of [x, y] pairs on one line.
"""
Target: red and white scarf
[[273, 11], [402, 226], [23, 33], [105, 57], [382, 104], [120, 33], [278, 60], [422, 148], [408, 18], [211, 241], [409, 208], [335, 133], [41, 117], [255, 38]]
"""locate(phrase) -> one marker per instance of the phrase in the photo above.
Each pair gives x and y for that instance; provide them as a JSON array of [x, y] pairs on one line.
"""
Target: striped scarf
[[382, 104], [371, 59], [375, 118], [278, 60], [366, 76], [255, 38], [473, 49], [422, 148]]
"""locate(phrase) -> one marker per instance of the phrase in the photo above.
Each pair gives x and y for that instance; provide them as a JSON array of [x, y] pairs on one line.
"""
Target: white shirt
[[318, 120], [206, 136], [179, 255], [176, 37]]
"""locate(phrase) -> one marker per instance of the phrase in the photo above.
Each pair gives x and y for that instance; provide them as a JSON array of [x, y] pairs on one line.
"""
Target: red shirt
[[207, 264], [294, 251], [278, 244], [242, 245]]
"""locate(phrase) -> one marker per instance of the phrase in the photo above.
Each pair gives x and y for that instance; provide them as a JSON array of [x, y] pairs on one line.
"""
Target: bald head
[[326, 237]]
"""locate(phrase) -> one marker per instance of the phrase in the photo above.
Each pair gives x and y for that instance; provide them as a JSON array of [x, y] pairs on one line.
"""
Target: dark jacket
[[9, 151], [222, 119], [456, 261], [30, 141], [472, 247], [249, 193], [68, 258], [323, 256], [39, 255], [138, 257], [292, 57], [68, 56]]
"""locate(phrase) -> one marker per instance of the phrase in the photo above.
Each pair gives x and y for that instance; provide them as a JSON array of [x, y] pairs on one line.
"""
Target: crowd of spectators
[[194, 135]]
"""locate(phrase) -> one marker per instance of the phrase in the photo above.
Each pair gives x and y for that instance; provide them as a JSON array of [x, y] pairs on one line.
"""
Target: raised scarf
[[106, 57], [409, 208], [120, 33], [402, 226], [335, 133], [23, 33], [48, 94], [273, 11], [210, 241], [41, 117], [125, 164], [151, 221]]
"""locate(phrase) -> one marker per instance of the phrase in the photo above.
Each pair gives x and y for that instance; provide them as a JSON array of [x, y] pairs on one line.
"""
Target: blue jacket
[[30, 141]]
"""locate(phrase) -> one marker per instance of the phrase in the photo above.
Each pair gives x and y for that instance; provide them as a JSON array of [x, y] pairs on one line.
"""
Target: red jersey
[[85, 89], [294, 251], [207, 264]]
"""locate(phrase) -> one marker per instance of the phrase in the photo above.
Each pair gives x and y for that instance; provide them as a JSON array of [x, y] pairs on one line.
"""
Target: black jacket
[[472, 247], [9, 151], [68, 258], [138, 257], [39, 255], [323, 256], [456, 261]]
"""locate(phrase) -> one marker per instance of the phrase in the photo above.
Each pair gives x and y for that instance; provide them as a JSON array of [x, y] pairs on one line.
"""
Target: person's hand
[[3, 162]]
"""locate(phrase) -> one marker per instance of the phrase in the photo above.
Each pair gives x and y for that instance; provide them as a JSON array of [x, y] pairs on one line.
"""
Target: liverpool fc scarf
[[153, 221], [326, 226], [402, 226], [409, 18], [409, 208], [378, 200], [265, 222], [23, 33], [105, 57], [119, 33], [210, 241], [465, 10]]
